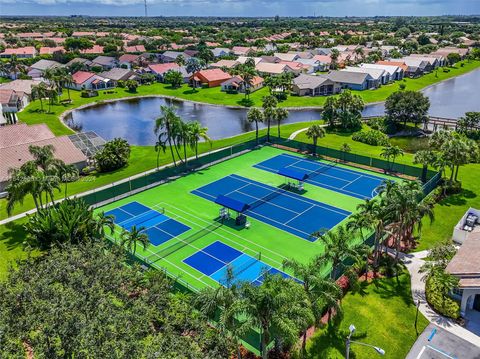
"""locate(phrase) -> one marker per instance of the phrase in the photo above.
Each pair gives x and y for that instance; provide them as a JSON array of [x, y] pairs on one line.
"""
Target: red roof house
[[209, 78]]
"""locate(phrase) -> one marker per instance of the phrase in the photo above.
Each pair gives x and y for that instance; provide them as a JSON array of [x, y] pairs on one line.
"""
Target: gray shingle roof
[[348, 77], [309, 82], [117, 74]]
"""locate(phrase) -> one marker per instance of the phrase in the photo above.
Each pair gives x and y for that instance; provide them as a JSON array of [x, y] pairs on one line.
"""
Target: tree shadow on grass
[[394, 289], [459, 199], [14, 235], [190, 91]]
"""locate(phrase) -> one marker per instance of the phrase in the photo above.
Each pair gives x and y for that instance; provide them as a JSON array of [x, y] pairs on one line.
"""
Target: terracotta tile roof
[[80, 77], [211, 75], [51, 50], [270, 68], [326, 59], [136, 48], [400, 64], [465, 262], [128, 58], [30, 50], [28, 35], [96, 49], [24, 86], [162, 68], [14, 135], [225, 63], [15, 140], [7, 96]]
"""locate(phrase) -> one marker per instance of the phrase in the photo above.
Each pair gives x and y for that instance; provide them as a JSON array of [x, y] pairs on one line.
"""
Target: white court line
[[300, 213], [269, 202], [231, 234], [348, 184]]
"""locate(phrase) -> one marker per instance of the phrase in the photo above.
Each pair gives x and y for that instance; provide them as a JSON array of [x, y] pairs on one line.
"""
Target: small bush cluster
[[371, 137], [115, 154], [377, 124], [441, 303]]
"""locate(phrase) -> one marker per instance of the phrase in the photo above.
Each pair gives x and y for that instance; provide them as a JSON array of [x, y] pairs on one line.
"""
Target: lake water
[[134, 119]]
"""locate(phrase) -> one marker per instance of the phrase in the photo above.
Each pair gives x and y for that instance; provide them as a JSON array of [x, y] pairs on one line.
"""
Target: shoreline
[[64, 114]]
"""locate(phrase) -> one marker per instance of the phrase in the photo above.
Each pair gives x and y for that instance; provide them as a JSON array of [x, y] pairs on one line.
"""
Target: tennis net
[[138, 220], [324, 167], [182, 243], [266, 198], [248, 264]]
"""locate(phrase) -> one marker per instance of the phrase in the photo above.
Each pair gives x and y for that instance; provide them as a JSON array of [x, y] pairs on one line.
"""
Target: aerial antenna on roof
[[146, 12]]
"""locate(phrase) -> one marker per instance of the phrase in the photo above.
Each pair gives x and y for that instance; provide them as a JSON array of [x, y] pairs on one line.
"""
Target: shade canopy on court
[[293, 174], [231, 203]]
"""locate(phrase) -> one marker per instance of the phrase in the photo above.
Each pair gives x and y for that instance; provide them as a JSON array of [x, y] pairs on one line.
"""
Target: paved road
[[442, 345]]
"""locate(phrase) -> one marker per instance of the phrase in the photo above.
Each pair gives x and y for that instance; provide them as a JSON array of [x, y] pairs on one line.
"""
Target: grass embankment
[[31, 114], [383, 313]]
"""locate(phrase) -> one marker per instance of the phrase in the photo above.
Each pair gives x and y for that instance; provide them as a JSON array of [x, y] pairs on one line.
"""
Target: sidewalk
[[413, 262]]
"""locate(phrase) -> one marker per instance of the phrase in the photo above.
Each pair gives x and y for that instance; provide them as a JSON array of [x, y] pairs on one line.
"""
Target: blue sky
[[240, 7]]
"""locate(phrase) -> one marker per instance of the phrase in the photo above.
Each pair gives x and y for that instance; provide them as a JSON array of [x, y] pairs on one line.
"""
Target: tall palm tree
[[338, 247], [225, 305], [67, 173], [40, 92], [321, 292], [165, 126], [100, 222], [197, 133], [43, 156], [425, 158], [255, 115], [390, 153], [281, 115], [133, 237], [269, 104], [314, 132], [248, 74], [23, 182]]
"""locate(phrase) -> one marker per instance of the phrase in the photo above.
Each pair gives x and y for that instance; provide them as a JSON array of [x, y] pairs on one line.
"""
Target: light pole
[[349, 341]]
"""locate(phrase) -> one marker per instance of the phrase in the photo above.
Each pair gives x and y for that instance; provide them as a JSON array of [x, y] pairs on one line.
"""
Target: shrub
[[371, 137], [377, 123], [113, 155], [441, 303]]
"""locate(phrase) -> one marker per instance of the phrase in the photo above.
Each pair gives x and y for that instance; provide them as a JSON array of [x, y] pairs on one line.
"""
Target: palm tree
[[164, 128], [23, 182], [42, 156], [255, 115], [338, 247], [269, 103], [135, 236], [180, 60], [345, 148], [315, 132], [277, 306], [391, 153], [281, 115], [39, 92], [174, 78], [197, 133], [321, 292], [100, 222], [248, 74], [425, 158], [334, 55], [66, 173], [227, 301]]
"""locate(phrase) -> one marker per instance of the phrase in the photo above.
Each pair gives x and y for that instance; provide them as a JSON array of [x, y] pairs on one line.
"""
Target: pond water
[[133, 119]]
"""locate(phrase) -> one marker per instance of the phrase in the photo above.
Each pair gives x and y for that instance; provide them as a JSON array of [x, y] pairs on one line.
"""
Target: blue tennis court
[[215, 259], [159, 227], [327, 175], [277, 207]]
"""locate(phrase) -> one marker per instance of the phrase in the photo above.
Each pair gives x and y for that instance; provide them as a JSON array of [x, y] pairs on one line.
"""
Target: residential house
[[305, 55], [243, 59], [417, 63], [84, 80], [220, 51], [466, 266], [118, 74], [434, 60], [190, 53], [379, 76], [286, 57], [38, 68], [409, 71], [159, 70], [16, 139], [270, 59], [95, 50], [51, 50], [236, 84], [265, 68], [106, 62], [128, 61], [134, 49], [298, 67], [20, 52], [209, 78], [395, 72], [10, 104], [243, 51], [308, 85], [312, 63], [444, 51], [85, 62], [22, 86], [324, 60], [352, 80], [171, 56], [227, 64]]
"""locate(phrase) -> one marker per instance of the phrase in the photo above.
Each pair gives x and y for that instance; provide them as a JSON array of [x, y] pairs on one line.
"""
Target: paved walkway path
[[413, 262], [296, 133]]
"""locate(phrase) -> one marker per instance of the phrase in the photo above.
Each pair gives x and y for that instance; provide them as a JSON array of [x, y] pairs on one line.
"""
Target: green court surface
[[178, 203]]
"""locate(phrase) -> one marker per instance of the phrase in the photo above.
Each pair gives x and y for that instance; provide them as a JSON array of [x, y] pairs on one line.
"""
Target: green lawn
[[31, 114], [142, 158], [274, 244], [383, 313]]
